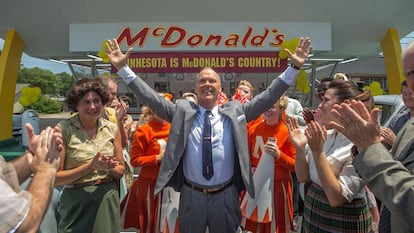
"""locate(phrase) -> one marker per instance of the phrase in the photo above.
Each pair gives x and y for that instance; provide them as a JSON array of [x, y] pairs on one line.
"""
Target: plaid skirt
[[319, 216]]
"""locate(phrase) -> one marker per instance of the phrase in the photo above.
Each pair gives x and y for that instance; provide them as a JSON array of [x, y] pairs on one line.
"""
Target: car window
[[386, 111], [390, 106]]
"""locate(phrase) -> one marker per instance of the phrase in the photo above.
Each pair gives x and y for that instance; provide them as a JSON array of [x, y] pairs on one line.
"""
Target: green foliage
[[50, 83], [46, 105], [64, 82]]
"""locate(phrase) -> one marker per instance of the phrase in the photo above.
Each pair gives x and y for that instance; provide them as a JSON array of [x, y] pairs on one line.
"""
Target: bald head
[[408, 64], [208, 87], [208, 70]]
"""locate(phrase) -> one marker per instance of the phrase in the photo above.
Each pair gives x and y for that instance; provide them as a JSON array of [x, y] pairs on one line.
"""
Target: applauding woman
[[336, 198], [91, 161]]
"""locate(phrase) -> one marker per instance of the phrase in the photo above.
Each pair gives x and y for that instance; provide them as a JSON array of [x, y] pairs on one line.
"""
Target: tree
[[64, 82], [51, 85], [46, 105]]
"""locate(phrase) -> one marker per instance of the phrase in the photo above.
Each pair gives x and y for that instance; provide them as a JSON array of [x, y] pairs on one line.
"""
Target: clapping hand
[[45, 149], [32, 138], [121, 110], [387, 136], [316, 135], [357, 123], [103, 163], [296, 135], [308, 115]]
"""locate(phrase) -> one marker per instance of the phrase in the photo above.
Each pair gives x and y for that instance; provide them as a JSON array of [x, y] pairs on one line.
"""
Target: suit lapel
[[404, 141], [404, 155], [397, 141]]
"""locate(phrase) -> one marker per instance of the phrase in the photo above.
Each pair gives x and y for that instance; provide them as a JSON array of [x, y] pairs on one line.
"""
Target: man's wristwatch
[[295, 67]]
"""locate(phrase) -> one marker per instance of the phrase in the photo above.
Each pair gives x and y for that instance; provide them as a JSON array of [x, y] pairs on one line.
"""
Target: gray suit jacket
[[181, 116], [392, 180]]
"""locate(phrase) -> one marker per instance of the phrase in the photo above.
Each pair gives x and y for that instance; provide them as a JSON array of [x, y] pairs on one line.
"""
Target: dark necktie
[[385, 221], [207, 151]]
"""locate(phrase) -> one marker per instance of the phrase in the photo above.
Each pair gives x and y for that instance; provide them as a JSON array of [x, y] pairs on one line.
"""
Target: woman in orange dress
[[140, 209], [283, 151]]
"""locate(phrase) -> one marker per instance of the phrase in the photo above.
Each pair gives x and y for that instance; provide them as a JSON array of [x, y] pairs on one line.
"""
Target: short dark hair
[[83, 86], [348, 90], [344, 89]]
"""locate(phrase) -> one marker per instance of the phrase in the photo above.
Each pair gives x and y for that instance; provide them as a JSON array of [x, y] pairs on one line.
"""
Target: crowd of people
[[211, 164]]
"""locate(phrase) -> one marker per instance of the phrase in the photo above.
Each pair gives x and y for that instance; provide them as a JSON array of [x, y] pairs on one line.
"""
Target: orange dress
[[284, 165], [254, 122], [140, 209]]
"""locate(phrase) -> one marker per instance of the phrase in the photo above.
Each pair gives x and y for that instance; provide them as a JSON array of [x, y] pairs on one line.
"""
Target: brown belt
[[89, 183], [204, 190]]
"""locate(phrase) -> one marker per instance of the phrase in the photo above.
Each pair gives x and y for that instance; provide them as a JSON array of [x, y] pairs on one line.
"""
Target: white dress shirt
[[338, 153]]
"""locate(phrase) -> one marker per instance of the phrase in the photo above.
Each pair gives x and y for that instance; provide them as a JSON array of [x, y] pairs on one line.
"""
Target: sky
[[31, 62], [407, 39]]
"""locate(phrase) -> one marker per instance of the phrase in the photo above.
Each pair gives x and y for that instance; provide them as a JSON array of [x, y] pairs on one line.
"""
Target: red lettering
[[174, 36], [157, 32], [169, 41], [195, 40], [257, 40], [211, 38], [277, 39], [139, 38], [232, 41], [247, 35]]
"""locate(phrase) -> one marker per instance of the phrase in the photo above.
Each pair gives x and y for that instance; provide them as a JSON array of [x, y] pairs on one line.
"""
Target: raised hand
[[302, 51], [296, 135], [117, 58]]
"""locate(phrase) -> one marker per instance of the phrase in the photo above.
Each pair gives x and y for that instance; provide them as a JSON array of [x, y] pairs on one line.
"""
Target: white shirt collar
[[214, 111]]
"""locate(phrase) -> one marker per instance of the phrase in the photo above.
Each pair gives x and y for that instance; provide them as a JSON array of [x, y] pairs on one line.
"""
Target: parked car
[[390, 106]]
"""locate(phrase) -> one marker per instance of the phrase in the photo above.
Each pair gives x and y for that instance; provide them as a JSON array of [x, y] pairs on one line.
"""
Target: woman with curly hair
[[91, 163]]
